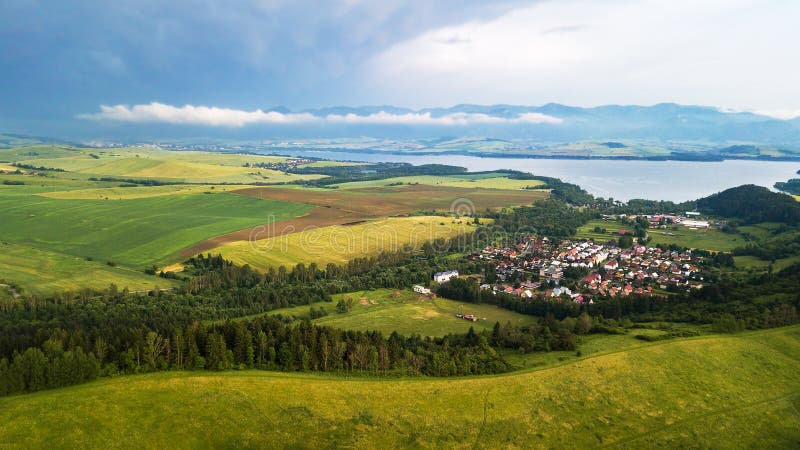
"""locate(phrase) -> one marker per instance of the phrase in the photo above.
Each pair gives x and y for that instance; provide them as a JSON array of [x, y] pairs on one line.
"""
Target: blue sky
[[63, 61]]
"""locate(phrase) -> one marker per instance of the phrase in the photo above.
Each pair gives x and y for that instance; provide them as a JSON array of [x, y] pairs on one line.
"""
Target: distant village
[[538, 267], [283, 166]]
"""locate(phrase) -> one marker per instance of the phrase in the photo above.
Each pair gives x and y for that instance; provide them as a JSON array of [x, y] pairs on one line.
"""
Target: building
[[695, 223], [421, 290], [444, 277]]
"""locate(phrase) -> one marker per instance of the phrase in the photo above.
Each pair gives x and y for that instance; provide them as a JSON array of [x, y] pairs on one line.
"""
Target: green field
[[339, 244], [407, 313], [135, 232], [153, 163], [460, 181], [709, 239], [45, 272], [736, 391]]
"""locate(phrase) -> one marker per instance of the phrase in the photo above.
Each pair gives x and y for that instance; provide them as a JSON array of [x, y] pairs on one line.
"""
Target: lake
[[620, 179]]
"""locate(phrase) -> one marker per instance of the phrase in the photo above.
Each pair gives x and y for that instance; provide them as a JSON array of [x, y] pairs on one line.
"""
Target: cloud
[[610, 52], [564, 29], [194, 115], [384, 118], [785, 114], [225, 117], [782, 114]]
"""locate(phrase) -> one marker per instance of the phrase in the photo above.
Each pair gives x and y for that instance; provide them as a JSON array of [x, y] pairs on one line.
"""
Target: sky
[[229, 63]]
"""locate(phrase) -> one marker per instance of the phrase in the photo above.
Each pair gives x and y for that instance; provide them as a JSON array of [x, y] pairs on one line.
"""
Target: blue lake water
[[620, 179]]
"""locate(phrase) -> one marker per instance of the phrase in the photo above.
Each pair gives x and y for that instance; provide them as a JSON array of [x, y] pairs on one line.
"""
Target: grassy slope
[[45, 272], [704, 239], [120, 193], [138, 231], [452, 181], [722, 391], [339, 244], [408, 313], [145, 162]]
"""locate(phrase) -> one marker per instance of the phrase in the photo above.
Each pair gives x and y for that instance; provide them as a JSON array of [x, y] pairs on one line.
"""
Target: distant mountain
[[664, 121]]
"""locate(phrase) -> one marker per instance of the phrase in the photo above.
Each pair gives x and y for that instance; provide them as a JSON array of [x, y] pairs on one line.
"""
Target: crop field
[[135, 232], [339, 244], [342, 207], [736, 391], [448, 181], [43, 272], [123, 193], [407, 313], [709, 239], [152, 163]]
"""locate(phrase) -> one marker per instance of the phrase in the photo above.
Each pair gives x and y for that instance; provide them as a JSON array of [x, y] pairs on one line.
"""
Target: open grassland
[[332, 164], [123, 193], [339, 244], [449, 181], [154, 163], [760, 264], [135, 232], [709, 239], [407, 313], [739, 391], [341, 207], [43, 272]]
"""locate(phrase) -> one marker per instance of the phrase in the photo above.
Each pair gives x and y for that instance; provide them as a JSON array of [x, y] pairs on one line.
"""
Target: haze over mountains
[[551, 122]]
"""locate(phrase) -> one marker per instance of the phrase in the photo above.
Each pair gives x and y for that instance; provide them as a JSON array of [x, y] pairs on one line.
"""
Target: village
[[579, 270]]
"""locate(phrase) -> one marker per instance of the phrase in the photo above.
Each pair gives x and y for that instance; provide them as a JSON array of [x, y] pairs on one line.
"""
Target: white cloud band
[[213, 116]]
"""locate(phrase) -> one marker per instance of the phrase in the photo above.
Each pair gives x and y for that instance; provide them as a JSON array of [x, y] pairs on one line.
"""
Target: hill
[[752, 204], [720, 391]]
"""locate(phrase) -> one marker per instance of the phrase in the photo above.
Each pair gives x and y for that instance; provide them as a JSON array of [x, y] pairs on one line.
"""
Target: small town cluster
[[536, 267], [287, 164]]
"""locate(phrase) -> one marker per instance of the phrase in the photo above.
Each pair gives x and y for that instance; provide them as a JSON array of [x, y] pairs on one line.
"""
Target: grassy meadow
[[44, 272], [136, 231], [709, 239], [407, 313], [154, 163], [734, 391], [463, 181], [339, 244]]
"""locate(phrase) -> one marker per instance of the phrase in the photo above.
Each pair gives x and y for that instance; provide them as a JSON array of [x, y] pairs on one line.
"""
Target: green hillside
[[407, 313], [137, 231], [721, 391]]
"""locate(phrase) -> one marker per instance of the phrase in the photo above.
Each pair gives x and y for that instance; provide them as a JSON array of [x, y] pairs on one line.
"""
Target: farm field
[[153, 163], [714, 391], [463, 181], [123, 193], [135, 232], [714, 240], [406, 312], [43, 272], [343, 207], [339, 244]]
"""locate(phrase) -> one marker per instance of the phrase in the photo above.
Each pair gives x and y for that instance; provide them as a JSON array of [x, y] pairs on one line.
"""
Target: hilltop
[[741, 390]]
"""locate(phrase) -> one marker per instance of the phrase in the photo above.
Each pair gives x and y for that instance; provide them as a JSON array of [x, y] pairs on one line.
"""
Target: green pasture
[[43, 272], [735, 391], [407, 313], [449, 181], [135, 232]]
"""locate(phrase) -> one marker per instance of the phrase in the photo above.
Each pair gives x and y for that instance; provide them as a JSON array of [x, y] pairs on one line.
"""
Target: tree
[[154, 346]]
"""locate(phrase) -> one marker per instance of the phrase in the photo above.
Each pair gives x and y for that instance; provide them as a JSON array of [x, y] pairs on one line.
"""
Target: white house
[[444, 277]]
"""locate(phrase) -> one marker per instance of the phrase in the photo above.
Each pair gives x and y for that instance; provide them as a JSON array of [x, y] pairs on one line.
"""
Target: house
[[444, 277], [421, 290], [695, 223], [612, 265]]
